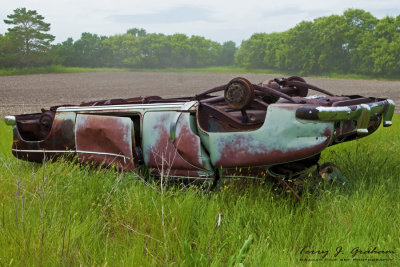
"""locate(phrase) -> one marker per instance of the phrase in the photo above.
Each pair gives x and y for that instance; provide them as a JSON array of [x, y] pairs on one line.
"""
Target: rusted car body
[[250, 130]]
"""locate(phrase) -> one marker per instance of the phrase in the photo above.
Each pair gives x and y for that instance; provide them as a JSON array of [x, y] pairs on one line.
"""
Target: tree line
[[355, 42], [137, 49], [27, 43]]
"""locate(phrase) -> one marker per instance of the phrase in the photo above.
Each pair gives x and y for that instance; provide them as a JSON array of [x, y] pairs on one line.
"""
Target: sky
[[219, 21]]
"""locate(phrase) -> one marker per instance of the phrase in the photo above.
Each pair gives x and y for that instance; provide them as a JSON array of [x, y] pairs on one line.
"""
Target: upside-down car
[[238, 129]]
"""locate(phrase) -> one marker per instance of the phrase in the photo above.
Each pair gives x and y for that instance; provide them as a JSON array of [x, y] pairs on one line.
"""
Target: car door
[[107, 140]]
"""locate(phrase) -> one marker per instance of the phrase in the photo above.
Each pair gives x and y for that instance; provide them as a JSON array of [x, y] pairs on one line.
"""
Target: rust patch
[[162, 153], [237, 153], [107, 136], [188, 144], [61, 137], [104, 135], [239, 93]]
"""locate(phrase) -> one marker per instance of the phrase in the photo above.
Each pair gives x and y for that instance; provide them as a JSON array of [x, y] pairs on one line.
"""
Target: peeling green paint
[[163, 128], [281, 132]]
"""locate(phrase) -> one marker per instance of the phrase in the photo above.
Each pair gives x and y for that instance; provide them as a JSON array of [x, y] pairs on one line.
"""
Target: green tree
[[330, 32], [30, 29], [274, 42], [8, 52], [227, 53], [252, 52], [121, 50], [355, 42], [296, 49], [386, 48], [137, 32], [152, 50], [65, 53], [180, 50], [204, 52], [359, 39], [89, 50]]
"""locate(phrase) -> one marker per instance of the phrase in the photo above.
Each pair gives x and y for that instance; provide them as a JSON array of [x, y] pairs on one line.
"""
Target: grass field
[[220, 69], [54, 69], [62, 214]]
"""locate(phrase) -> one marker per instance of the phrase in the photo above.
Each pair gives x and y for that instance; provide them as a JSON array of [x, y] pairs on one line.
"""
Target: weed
[[67, 214]]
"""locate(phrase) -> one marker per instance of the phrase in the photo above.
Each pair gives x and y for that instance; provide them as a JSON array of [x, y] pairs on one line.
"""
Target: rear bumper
[[361, 113]]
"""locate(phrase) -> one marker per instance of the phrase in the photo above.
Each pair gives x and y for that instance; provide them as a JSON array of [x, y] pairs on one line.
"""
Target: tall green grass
[[64, 69], [63, 214], [54, 69]]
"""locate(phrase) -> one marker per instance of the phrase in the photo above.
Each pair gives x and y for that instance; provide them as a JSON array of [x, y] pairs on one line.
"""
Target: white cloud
[[218, 20]]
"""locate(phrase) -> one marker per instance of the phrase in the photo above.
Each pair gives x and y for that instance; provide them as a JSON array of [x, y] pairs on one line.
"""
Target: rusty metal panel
[[282, 138], [249, 130], [59, 141], [188, 143], [106, 140], [160, 151]]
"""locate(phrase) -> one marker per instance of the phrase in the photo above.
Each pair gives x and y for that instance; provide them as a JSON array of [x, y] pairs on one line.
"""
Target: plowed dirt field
[[29, 93]]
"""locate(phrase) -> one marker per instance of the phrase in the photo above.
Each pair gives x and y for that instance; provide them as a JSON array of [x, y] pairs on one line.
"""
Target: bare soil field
[[30, 93]]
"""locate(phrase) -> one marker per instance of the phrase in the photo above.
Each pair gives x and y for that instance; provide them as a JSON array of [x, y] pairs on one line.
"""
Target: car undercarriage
[[275, 128]]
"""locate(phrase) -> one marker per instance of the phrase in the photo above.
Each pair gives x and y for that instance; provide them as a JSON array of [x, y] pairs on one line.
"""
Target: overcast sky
[[217, 20]]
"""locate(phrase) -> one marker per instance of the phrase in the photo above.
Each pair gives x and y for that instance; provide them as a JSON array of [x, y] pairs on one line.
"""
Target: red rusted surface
[[239, 93], [213, 119], [346, 127], [240, 153], [226, 129], [182, 155], [163, 153], [188, 144], [61, 137], [106, 134]]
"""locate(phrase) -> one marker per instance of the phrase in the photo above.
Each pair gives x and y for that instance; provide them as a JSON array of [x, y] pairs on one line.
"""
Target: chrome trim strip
[[103, 153], [178, 105], [70, 151], [188, 177]]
